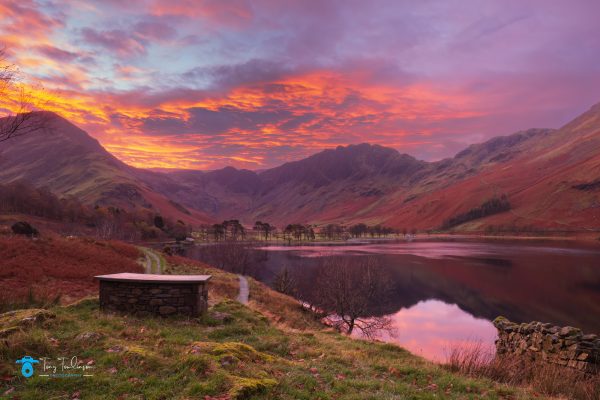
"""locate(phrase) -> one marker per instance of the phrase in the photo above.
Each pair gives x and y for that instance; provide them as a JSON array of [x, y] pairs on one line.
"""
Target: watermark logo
[[61, 367], [65, 367], [27, 368]]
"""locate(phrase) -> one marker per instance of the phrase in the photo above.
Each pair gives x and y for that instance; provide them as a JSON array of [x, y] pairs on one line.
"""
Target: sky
[[203, 84]]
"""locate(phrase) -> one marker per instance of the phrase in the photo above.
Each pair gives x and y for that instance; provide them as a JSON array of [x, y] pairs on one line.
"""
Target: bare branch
[[347, 292], [21, 118]]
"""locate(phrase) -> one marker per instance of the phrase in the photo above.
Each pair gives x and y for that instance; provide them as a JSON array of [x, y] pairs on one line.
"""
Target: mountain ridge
[[70, 162], [362, 182]]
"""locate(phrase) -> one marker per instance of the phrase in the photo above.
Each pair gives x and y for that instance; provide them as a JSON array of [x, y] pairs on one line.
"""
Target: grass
[[245, 358], [34, 298], [268, 350], [548, 379]]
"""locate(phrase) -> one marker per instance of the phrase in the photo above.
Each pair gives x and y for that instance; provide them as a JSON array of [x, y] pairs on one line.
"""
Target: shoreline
[[585, 238]]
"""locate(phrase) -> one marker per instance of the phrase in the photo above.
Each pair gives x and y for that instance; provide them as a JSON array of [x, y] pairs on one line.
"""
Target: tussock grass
[[33, 298], [543, 378]]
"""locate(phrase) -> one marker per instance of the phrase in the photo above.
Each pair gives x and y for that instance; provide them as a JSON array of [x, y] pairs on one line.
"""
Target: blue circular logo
[[27, 368]]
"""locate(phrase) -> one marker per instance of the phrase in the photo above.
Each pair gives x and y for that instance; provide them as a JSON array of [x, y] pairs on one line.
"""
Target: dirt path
[[153, 263], [244, 290]]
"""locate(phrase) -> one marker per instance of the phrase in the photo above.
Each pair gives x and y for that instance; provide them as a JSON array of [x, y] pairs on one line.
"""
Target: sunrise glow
[[202, 85]]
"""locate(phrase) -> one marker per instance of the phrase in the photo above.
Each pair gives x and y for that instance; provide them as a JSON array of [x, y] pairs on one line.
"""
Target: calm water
[[447, 292]]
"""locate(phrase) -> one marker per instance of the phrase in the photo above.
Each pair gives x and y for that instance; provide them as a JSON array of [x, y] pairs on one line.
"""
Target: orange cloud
[[231, 13], [313, 111]]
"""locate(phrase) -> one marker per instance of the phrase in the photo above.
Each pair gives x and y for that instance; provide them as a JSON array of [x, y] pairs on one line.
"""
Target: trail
[[152, 260], [244, 290]]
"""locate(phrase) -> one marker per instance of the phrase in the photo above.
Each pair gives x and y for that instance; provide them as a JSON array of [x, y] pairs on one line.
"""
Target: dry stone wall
[[146, 298], [565, 346]]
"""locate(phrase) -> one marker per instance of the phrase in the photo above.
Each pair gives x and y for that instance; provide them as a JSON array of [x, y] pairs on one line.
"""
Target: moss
[[198, 363], [241, 351], [140, 352], [24, 317], [244, 388]]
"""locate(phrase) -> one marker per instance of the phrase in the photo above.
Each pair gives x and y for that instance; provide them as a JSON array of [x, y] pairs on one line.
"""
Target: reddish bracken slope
[[54, 266], [554, 182]]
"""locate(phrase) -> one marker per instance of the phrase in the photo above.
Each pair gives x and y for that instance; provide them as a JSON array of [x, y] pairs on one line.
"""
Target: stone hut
[[146, 294], [565, 346]]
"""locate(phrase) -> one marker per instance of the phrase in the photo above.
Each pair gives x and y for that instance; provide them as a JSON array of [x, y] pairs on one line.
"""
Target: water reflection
[[447, 292], [432, 328], [436, 250]]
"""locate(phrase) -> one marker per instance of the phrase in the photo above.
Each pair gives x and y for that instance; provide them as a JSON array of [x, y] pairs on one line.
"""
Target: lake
[[446, 293]]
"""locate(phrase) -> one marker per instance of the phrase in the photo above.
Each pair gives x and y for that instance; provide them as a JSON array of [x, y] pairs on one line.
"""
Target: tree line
[[234, 230], [76, 218], [492, 206]]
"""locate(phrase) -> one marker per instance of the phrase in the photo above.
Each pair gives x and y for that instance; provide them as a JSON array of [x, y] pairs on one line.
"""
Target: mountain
[[69, 162], [548, 176], [551, 177]]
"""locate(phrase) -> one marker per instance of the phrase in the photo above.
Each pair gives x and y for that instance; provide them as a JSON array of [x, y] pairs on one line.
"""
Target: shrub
[[24, 228]]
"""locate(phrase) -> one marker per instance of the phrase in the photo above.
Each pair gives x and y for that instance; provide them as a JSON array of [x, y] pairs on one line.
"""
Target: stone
[[222, 317], [115, 349], [88, 337], [536, 341], [227, 360], [583, 356], [167, 310], [547, 343], [569, 331], [582, 365], [152, 296]]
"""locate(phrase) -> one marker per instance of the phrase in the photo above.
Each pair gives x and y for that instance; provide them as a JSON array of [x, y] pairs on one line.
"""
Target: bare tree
[[21, 104], [348, 291], [284, 282]]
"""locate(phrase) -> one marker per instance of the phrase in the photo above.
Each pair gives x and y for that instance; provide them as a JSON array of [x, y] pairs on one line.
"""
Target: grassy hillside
[[270, 349]]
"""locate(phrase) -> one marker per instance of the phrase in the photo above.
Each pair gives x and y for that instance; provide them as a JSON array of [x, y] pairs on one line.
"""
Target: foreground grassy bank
[[271, 349]]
